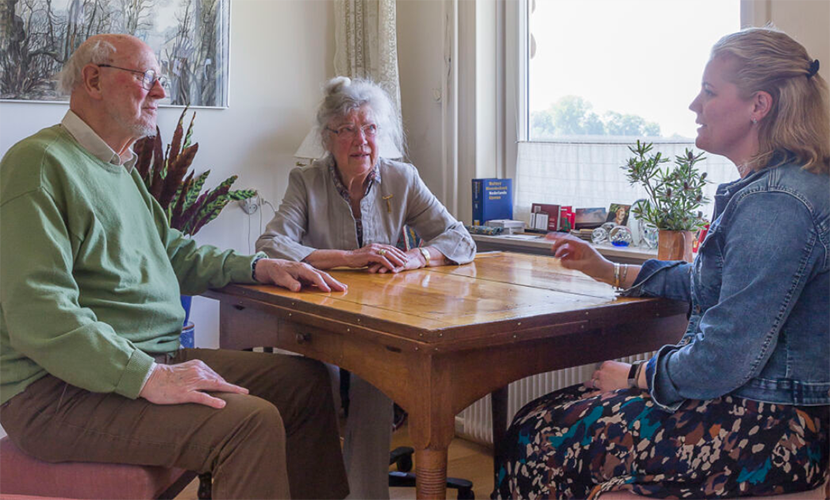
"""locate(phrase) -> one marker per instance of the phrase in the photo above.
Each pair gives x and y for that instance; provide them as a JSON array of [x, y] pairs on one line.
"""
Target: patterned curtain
[[366, 43]]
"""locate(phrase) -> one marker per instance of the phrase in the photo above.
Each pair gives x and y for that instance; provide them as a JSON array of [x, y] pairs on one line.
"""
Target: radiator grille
[[476, 421]]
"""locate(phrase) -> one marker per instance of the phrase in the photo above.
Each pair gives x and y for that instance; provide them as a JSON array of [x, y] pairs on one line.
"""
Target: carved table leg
[[432, 428], [431, 473]]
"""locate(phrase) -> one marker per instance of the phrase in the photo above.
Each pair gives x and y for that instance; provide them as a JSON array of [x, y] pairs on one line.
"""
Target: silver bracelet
[[616, 274]]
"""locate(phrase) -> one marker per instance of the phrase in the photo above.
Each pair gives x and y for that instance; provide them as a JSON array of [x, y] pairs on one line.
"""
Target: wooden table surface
[[436, 340]]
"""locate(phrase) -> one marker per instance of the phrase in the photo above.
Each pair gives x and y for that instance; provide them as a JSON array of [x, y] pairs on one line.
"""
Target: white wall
[[808, 22], [421, 69]]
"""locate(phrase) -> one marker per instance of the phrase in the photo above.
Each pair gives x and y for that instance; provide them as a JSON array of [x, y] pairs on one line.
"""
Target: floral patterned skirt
[[567, 445]]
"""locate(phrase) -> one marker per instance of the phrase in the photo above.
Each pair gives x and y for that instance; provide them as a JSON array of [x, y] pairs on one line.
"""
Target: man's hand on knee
[[184, 383]]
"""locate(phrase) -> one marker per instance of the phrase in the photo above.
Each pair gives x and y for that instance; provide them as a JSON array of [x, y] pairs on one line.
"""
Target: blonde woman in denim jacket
[[740, 406]]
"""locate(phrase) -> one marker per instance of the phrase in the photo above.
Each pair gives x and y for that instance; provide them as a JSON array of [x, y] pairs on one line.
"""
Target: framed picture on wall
[[189, 37]]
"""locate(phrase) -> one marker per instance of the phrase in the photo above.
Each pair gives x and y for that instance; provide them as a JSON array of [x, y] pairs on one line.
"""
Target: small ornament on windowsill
[[620, 236]]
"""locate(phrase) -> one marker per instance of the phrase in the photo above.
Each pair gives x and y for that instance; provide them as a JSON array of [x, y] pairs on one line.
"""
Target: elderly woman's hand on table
[[378, 258], [415, 259]]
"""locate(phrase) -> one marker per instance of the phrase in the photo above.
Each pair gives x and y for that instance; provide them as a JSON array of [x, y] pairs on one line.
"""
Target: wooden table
[[436, 340]]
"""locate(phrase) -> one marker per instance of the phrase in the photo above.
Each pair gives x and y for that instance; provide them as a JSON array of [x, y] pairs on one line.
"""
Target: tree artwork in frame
[[189, 37]]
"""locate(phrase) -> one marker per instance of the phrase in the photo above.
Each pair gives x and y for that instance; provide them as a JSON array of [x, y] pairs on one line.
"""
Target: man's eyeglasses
[[150, 77], [349, 132]]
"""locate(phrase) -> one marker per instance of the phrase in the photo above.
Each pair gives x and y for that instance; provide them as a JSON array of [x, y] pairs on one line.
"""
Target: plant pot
[[674, 245], [187, 300], [187, 338]]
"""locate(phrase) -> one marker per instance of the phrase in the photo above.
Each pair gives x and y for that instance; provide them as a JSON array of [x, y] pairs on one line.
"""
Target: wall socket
[[249, 206]]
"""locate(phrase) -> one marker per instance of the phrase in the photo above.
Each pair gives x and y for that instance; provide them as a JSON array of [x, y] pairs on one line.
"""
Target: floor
[[466, 460]]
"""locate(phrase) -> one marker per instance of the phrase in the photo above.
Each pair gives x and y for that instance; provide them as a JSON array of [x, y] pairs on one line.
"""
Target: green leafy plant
[[674, 194], [178, 191]]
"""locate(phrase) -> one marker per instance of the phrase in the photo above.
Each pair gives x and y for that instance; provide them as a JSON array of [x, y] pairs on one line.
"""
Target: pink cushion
[[23, 475], [817, 494], [3, 496]]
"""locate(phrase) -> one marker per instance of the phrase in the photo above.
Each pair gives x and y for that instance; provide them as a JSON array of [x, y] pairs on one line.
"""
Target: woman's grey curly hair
[[341, 95]]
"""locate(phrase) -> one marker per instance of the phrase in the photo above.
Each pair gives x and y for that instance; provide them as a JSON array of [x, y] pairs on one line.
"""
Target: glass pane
[[624, 68]]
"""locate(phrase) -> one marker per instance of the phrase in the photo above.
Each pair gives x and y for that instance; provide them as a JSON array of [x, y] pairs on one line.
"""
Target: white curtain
[[585, 174], [366, 43]]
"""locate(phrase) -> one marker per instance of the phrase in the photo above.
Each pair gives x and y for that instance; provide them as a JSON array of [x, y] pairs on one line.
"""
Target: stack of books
[[584, 234]]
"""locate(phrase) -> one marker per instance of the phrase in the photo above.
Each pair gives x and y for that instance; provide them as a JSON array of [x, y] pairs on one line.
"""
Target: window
[[601, 74]]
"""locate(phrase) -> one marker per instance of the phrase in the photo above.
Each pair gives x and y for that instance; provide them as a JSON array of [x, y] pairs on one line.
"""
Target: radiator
[[476, 421]]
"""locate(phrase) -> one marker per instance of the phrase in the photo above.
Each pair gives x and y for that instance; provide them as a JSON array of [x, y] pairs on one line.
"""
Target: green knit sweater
[[90, 272]]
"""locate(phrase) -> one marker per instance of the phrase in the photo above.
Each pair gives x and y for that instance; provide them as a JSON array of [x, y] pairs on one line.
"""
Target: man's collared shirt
[[93, 143]]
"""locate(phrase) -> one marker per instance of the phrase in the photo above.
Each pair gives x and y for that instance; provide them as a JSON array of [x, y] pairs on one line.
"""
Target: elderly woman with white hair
[[349, 209]]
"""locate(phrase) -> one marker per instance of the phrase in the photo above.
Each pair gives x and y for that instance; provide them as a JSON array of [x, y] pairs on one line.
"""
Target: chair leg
[[402, 458], [205, 483]]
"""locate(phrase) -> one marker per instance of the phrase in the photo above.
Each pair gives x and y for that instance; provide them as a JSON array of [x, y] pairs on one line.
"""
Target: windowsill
[[536, 244]]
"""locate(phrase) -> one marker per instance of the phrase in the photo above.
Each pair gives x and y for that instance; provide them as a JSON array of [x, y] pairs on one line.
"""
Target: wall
[[807, 21], [421, 69]]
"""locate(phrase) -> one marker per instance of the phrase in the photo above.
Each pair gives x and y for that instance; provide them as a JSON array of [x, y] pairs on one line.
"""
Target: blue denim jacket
[[759, 294]]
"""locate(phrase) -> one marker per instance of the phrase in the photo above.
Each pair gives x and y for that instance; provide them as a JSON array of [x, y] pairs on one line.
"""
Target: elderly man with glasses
[[90, 363]]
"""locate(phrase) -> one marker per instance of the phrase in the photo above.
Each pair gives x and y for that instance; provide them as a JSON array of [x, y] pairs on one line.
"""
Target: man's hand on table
[[293, 275]]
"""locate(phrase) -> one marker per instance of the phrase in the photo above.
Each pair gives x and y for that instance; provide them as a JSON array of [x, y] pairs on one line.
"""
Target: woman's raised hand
[[378, 258], [578, 254]]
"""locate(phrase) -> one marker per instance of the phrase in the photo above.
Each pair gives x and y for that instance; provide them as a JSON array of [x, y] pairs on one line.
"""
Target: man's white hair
[[90, 52]]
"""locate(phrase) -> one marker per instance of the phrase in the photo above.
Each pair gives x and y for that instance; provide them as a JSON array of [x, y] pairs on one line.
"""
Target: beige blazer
[[314, 216]]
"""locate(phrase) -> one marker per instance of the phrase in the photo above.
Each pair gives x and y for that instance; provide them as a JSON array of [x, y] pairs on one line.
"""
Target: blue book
[[492, 199]]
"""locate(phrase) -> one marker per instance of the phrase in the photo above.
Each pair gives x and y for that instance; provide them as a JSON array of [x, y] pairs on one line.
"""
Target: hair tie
[[813, 69]]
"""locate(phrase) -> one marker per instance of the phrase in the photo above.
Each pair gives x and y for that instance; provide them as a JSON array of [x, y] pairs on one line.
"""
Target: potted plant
[[674, 196], [178, 190], [167, 175]]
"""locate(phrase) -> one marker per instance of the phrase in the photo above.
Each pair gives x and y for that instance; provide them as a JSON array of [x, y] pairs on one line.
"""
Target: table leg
[[431, 473], [431, 433]]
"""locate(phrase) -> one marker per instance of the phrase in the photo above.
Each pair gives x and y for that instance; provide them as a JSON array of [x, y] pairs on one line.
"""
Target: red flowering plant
[[178, 190]]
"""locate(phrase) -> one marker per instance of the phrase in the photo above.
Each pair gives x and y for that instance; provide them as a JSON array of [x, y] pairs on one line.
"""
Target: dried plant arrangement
[[674, 194], [168, 178]]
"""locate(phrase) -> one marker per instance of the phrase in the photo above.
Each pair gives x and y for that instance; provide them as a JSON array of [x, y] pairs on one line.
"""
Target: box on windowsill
[[509, 226], [544, 217]]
